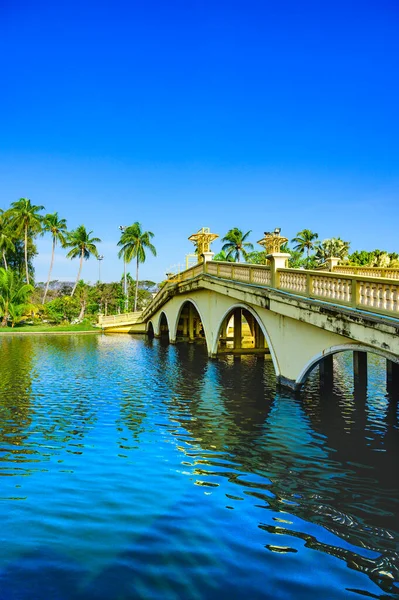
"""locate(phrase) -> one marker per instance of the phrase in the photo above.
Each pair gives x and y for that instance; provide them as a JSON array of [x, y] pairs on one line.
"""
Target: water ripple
[[134, 469]]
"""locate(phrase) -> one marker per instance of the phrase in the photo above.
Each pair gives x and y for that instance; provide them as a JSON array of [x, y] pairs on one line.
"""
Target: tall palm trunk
[[49, 273], [5, 315], [4, 260], [137, 284], [82, 310], [26, 254], [79, 272]]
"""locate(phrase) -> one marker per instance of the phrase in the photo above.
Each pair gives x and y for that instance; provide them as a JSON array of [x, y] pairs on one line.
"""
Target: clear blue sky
[[184, 114]]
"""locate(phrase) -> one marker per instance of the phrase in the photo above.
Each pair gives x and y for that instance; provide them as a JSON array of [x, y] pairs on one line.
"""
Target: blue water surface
[[134, 469]]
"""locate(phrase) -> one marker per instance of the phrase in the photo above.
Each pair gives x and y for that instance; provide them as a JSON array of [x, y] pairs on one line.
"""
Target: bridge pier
[[190, 324], [360, 372], [392, 378], [237, 328], [326, 370]]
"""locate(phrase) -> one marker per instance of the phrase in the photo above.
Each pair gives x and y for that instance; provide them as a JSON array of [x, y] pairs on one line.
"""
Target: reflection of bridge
[[299, 317]]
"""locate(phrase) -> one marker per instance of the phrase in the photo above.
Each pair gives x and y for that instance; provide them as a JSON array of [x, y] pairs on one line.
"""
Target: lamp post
[[100, 257], [202, 241], [123, 228]]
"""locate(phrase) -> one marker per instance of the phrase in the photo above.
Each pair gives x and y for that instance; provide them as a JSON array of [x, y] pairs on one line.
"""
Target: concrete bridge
[[297, 318]]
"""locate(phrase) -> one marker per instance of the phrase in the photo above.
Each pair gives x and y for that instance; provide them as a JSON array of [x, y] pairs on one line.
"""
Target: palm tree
[[236, 244], [6, 243], [27, 221], [13, 295], [58, 229], [81, 245], [134, 243], [305, 241]]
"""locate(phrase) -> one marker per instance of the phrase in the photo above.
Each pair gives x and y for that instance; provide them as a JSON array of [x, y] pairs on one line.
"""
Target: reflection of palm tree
[[83, 246], [57, 227], [236, 245], [15, 390], [27, 221], [134, 243]]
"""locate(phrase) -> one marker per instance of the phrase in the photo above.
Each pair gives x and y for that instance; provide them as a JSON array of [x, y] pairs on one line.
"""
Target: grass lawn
[[46, 328]]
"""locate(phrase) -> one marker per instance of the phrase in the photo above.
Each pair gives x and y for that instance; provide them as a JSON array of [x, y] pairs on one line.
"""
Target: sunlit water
[[133, 469]]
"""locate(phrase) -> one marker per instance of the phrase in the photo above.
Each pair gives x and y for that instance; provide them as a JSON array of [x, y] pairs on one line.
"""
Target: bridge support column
[[237, 328], [392, 378], [185, 326], [259, 337], [223, 333], [197, 328], [326, 368], [360, 370], [190, 324]]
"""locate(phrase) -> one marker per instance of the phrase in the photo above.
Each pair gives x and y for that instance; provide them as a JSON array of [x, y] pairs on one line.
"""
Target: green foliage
[[14, 295], [83, 246], [257, 257], [375, 258], [27, 223], [222, 256], [330, 248], [61, 310], [6, 238], [58, 229], [305, 240], [235, 245], [296, 260], [134, 242]]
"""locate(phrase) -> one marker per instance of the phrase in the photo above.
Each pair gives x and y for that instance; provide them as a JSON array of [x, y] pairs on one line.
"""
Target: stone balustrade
[[132, 317], [377, 294], [367, 271]]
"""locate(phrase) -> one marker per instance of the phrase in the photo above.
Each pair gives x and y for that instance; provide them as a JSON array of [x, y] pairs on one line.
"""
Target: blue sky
[[184, 114]]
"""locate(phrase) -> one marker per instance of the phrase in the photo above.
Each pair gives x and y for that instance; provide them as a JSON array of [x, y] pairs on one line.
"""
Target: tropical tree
[[305, 240], [13, 295], [26, 220], [6, 242], [235, 244], [82, 246], [332, 247], [257, 257], [58, 229], [222, 256], [134, 242], [83, 296], [295, 260]]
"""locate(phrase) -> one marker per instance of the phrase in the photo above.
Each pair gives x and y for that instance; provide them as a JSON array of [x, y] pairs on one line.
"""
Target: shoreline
[[8, 333]]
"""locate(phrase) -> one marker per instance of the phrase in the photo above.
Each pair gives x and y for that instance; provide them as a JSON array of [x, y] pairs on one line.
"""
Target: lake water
[[134, 469]]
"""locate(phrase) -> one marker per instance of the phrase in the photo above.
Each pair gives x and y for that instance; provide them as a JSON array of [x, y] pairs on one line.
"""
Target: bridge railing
[[377, 294], [110, 320], [257, 274], [380, 295], [367, 271]]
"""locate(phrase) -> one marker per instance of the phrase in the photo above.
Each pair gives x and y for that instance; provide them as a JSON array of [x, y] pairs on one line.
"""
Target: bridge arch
[[163, 325], [195, 322], [259, 322], [150, 329], [350, 347]]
